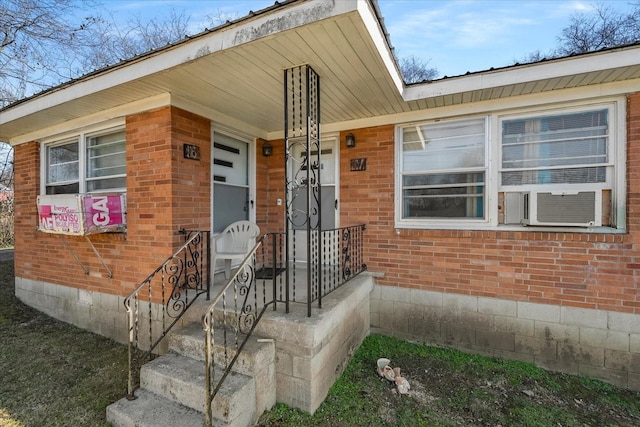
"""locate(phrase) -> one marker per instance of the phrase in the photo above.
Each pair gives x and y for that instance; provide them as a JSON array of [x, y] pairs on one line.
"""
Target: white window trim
[[609, 181], [617, 151], [45, 160], [615, 181], [440, 223], [81, 136]]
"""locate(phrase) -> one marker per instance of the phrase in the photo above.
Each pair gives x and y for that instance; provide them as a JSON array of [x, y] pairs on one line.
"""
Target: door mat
[[267, 272]]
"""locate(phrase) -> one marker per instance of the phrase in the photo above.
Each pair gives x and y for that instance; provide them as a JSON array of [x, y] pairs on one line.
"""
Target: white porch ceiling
[[244, 82], [236, 73]]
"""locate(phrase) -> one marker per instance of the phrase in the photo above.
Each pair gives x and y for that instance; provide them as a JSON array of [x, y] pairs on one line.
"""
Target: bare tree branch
[[415, 69], [603, 28], [111, 43], [36, 38]]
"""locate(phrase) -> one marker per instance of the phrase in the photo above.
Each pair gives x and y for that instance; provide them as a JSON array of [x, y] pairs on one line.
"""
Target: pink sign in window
[[82, 214]]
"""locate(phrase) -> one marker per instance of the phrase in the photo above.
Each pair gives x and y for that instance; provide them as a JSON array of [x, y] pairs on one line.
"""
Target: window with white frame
[[63, 165], [556, 150], [443, 171], [86, 163], [545, 167]]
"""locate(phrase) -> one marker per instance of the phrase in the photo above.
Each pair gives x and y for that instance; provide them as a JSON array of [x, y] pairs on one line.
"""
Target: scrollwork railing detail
[[166, 294], [235, 312]]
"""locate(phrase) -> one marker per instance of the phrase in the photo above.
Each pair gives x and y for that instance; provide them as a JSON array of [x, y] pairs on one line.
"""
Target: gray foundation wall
[[595, 343], [97, 312], [312, 352]]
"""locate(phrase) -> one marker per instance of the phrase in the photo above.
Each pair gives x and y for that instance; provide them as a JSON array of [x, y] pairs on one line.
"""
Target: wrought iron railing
[[157, 304], [342, 256], [266, 277], [237, 308], [337, 258]]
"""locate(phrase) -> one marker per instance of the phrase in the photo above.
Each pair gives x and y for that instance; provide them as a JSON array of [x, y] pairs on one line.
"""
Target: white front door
[[231, 186]]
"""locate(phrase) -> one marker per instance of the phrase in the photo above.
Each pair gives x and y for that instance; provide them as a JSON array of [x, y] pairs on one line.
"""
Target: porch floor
[[330, 277]]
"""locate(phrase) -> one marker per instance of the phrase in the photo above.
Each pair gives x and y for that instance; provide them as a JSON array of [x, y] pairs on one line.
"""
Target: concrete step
[[189, 341], [257, 359], [181, 379], [172, 386], [151, 410]]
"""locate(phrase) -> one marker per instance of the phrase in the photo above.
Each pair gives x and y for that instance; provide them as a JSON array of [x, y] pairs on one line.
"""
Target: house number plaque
[[191, 152], [358, 165]]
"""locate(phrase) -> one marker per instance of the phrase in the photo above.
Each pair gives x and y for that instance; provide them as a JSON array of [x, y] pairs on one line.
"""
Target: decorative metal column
[[302, 175]]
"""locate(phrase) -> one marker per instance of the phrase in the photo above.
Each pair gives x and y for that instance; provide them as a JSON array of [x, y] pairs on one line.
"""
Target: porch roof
[[234, 75]]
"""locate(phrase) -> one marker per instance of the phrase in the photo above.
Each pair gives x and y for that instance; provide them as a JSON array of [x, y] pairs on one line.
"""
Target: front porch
[[313, 314]]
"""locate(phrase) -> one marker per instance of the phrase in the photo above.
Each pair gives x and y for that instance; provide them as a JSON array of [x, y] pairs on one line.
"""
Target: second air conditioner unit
[[554, 208]]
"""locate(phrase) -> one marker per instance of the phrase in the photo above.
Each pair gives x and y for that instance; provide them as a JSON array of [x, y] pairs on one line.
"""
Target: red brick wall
[[270, 187], [191, 188], [633, 166], [597, 271], [164, 193]]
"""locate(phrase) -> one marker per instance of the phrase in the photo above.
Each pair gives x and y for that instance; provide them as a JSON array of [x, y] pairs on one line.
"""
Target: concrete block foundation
[[596, 343], [97, 312], [312, 352]]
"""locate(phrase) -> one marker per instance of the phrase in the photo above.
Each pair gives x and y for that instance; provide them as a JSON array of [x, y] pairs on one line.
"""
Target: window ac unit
[[554, 208]]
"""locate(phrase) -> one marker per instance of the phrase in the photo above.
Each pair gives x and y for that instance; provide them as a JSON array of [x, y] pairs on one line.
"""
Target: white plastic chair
[[234, 243]]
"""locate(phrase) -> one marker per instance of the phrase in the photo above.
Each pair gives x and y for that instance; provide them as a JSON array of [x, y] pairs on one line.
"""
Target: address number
[[191, 152]]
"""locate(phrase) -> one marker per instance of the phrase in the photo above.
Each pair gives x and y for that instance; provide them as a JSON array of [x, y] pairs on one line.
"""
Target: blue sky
[[455, 36]]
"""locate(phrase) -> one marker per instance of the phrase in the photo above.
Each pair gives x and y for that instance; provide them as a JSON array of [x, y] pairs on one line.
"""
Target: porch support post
[[302, 175], [287, 228]]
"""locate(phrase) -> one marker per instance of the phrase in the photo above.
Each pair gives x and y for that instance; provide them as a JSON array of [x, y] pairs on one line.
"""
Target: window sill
[[511, 227], [560, 229]]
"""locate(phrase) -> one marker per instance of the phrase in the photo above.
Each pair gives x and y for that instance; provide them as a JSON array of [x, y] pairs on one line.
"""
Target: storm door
[[232, 193], [327, 212]]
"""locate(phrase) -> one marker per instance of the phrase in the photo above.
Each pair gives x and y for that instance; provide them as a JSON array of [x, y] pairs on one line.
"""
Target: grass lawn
[[54, 374], [452, 388]]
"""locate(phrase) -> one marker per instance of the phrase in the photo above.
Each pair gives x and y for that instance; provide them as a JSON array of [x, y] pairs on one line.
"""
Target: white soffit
[[235, 74], [593, 68], [264, 25], [237, 71]]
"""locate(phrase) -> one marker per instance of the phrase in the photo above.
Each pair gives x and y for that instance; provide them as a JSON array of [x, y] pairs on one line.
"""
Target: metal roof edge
[[154, 52], [610, 58]]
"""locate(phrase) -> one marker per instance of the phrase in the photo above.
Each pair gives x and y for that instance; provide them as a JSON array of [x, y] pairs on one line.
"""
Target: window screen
[[556, 149], [443, 170]]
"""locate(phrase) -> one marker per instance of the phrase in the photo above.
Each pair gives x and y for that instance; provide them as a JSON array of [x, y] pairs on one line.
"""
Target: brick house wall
[[270, 187], [165, 192], [595, 271], [566, 301]]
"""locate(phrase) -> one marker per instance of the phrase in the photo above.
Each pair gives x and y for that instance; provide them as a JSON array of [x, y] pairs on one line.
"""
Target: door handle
[[335, 205]]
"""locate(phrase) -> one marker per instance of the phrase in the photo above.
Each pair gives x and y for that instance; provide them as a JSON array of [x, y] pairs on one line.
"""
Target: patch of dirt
[[466, 397]]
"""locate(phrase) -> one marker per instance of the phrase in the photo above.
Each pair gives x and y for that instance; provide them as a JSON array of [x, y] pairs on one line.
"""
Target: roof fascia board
[[122, 111], [273, 22], [501, 105], [374, 27], [527, 73], [158, 101]]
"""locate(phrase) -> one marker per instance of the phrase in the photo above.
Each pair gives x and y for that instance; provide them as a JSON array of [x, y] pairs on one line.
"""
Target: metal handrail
[[243, 322], [183, 271]]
